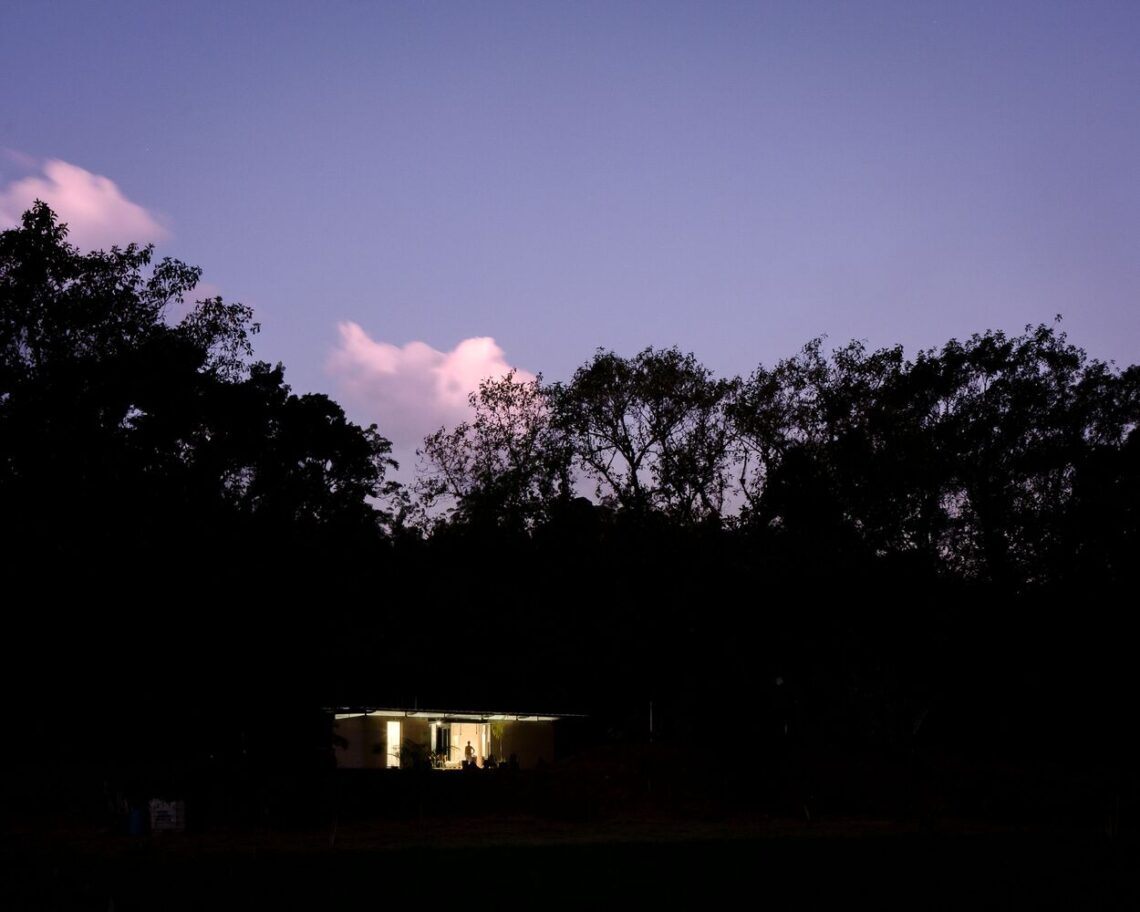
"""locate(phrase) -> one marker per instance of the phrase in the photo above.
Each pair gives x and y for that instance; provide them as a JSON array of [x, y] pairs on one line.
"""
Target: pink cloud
[[412, 390], [94, 208]]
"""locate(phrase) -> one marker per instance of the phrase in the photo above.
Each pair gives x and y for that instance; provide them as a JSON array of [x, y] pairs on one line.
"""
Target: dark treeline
[[850, 553]]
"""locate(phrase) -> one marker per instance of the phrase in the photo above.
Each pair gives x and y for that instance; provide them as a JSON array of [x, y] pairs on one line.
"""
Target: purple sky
[[731, 178]]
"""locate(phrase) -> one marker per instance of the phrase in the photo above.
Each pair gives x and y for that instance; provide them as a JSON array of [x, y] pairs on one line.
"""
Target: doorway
[[459, 735]]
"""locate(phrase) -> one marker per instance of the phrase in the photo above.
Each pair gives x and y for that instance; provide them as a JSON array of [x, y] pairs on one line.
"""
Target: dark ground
[[592, 828], [525, 861]]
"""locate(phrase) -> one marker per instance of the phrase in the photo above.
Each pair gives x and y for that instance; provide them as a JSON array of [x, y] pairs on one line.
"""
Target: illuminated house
[[394, 738]]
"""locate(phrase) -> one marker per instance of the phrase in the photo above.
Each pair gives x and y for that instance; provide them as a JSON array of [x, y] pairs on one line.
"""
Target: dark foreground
[[524, 862]]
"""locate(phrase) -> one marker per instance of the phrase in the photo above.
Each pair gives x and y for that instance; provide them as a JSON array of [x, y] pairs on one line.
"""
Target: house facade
[[377, 738]]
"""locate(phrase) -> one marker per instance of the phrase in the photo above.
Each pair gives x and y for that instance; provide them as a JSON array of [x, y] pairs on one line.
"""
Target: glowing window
[[393, 745]]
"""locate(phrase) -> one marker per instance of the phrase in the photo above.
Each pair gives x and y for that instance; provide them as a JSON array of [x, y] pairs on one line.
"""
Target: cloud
[[93, 206], [412, 390]]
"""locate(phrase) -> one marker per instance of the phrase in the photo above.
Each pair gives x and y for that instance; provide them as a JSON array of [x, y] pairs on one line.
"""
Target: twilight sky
[[413, 195]]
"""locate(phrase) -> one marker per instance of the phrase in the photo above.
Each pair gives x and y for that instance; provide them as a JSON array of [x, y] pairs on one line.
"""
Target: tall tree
[[1018, 419], [966, 455], [504, 466], [810, 430], [650, 431], [117, 425]]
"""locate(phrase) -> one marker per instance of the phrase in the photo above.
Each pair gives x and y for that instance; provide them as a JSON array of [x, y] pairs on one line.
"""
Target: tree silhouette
[[650, 431], [973, 507], [966, 455], [506, 465], [121, 429]]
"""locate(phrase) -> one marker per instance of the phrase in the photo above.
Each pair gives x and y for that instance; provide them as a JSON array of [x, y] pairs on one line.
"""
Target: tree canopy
[[506, 464], [824, 543], [649, 431], [978, 458], [123, 429]]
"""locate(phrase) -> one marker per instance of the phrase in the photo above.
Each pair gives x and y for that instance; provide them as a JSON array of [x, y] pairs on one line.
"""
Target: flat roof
[[447, 715]]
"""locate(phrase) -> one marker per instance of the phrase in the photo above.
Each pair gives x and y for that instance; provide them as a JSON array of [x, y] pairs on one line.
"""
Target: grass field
[[515, 863]]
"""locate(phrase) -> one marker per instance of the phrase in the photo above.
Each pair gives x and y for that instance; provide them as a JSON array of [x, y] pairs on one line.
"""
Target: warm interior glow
[[393, 745], [461, 734]]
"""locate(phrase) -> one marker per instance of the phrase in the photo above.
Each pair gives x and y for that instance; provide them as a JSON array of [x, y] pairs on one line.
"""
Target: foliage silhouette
[[133, 427], [506, 465], [650, 431], [162, 493], [851, 550]]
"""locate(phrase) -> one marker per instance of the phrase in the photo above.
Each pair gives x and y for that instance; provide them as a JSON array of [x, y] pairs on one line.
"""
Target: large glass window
[[393, 745]]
